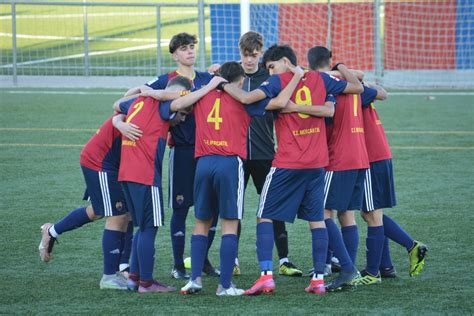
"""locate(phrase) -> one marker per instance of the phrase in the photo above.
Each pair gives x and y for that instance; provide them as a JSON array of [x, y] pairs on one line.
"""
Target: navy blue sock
[[265, 246], [329, 255], [146, 252], [111, 245], [127, 245], [73, 220], [386, 261], [134, 268], [211, 234], [319, 238], [374, 246], [350, 234], [198, 254], [396, 233], [178, 235], [228, 252], [337, 245]]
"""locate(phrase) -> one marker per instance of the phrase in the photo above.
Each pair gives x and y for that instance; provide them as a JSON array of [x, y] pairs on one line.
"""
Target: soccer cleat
[[113, 282], [154, 287], [264, 284], [316, 287], [388, 273], [191, 287], [209, 270], [367, 279], [47, 243], [335, 265], [289, 269], [236, 270], [416, 257], [343, 281], [179, 274], [231, 291]]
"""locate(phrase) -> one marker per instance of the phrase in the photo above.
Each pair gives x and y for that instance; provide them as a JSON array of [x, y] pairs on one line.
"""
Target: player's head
[[182, 48], [319, 58], [232, 72], [251, 50], [278, 58], [179, 83]]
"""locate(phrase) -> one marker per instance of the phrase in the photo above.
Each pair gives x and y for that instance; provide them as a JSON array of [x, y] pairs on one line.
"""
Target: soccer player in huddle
[[260, 143], [99, 160], [344, 183], [221, 133], [294, 186], [182, 165], [379, 194]]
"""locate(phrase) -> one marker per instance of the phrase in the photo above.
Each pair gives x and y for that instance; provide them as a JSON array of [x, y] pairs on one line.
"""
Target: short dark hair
[[277, 52], [231, 71], [319, 57], [251, 41], [181, 39], [180, 81]]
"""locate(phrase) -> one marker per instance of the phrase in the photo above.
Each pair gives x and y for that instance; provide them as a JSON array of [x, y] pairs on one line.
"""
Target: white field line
[[63, 92], [43, 145], [428, 93], [433, 147], [152, 12]]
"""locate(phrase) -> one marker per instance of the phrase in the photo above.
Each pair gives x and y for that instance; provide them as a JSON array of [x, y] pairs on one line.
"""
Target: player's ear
[[287, 62]]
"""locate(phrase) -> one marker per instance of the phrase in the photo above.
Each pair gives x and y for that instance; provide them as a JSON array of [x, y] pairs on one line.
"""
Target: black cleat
[[388, 273]]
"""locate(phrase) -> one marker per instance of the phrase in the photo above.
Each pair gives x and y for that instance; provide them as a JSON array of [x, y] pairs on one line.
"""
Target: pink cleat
[[316, 287], [264, 284], [154, 287]]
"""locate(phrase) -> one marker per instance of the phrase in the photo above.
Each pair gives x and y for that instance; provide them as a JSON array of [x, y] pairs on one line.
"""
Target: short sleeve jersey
[[184, 133], [346, 141], [142, 160], [102, 151], [375, 138], [222, 124], [301, 138]]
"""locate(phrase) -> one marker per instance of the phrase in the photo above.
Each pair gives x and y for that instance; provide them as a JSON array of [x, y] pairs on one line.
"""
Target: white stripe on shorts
[[104, 188], [263, 196], [240, 190], [155, 196], [369, 198], [170, 177], [327, 185]]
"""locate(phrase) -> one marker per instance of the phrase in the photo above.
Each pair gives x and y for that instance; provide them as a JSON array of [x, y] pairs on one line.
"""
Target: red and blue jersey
[[346, 140], [142, 160], [184, 133], [375, 138], [102, 151], [301, 138], [222, 124]]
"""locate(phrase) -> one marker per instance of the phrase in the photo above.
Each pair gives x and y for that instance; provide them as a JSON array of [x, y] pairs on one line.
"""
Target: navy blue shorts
[[379, 188], [344, 190], [145, 203], [288, 193], [105, 192], [219, 187], [182, 167]]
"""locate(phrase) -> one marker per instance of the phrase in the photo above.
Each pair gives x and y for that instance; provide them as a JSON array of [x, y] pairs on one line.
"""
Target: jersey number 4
[[213, 116]]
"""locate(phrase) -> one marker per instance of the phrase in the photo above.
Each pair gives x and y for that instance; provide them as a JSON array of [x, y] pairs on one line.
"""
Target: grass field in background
[[41, 135]]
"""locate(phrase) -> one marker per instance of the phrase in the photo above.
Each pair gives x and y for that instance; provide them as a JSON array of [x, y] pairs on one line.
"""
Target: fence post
[[15, 74], [86, 42], [202, 36], [158, 40], [329, 37], [378, 41]]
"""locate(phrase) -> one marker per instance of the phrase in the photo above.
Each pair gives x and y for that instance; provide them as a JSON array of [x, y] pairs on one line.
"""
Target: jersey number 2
[[213, 116], [137, 107]]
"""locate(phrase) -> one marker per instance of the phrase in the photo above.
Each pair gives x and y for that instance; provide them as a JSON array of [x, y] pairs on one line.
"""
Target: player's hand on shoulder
[[213, 68], [297, 70], [215, 81]]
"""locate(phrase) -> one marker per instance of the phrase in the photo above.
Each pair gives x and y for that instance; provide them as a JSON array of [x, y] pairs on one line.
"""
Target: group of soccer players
[[332, 157]]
